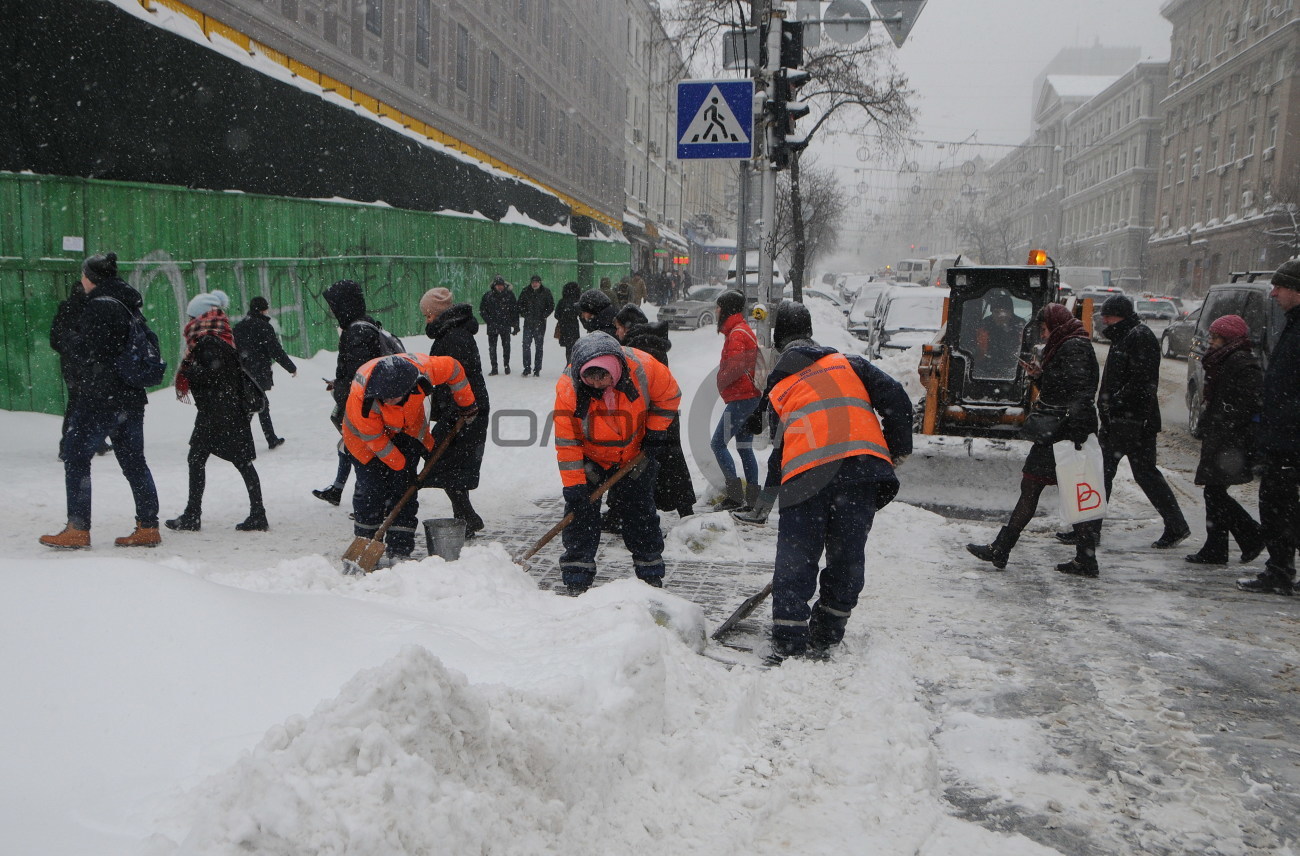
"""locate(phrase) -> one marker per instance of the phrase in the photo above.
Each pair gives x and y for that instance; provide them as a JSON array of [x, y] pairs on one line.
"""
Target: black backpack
[[388, 343], [140, 364]]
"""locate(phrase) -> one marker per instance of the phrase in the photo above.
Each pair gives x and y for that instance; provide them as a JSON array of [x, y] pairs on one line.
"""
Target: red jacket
[[736, 381]]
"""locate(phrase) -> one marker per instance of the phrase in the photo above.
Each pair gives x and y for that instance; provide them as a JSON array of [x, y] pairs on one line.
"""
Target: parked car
[[1156, 309], [1176, 340], [818, 294], [1246, 295], [697, 309], [906, 317], [848, 285], [863, 310]]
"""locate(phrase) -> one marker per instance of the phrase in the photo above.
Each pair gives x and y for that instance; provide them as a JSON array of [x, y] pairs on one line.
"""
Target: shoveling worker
[[611, 404], [385, 430], [843, 426]]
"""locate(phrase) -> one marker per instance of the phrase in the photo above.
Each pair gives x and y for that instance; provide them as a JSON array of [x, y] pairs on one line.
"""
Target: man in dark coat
[[106, 407], [259, 345], [62, 329], [500, 313], [567, 328], [1129, 409], [452, 328], [359, 343], [1279, 443], [597, 312], [535, 305]]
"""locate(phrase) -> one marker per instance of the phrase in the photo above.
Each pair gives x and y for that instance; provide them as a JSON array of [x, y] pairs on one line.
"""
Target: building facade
[[1230, 150], [1110, 173]]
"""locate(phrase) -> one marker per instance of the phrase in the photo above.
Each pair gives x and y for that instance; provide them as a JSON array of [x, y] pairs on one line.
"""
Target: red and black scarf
[[214, 322]]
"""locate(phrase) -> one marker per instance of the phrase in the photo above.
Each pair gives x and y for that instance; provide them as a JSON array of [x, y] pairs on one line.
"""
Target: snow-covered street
[[233, 692]]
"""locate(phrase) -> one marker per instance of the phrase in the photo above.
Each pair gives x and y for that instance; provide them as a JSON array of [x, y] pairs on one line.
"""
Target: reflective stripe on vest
[[826, 415]]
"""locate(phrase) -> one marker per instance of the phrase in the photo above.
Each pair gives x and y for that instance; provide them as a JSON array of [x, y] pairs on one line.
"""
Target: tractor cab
[[974, 372]]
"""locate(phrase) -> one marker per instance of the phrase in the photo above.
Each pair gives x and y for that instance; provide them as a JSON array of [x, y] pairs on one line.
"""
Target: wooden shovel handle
[[568, 518], [419, 480]]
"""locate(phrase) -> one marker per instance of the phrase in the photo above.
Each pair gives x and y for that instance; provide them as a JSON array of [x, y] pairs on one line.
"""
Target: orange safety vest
[[612, 437], [370, 437], [826, 415]]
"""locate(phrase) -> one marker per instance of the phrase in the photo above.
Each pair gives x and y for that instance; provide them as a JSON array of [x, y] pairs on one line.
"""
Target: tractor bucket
[[971, 478]]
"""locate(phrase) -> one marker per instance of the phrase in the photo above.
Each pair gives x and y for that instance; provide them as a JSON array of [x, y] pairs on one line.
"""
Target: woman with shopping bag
[[1066, 377]]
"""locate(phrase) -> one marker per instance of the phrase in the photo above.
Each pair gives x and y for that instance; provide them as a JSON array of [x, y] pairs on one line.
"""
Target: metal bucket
[[444, 537]]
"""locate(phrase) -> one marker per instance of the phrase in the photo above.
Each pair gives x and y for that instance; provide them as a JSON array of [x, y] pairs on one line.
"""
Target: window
[[289, 9], [561, 134], [494, 82], [462, 58], [521, 102], [546, 20], [422, 32], [375, 16], [543, 120], [521, 10]]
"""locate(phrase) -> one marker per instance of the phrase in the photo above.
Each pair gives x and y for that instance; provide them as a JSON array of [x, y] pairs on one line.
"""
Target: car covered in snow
[[1176, 339], [906, 316], [863, 310]]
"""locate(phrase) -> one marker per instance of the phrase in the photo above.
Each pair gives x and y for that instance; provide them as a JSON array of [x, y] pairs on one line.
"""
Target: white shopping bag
[[1080, 481]]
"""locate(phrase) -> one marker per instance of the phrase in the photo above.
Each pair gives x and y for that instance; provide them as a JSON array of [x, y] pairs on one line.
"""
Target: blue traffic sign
[[715, 119]]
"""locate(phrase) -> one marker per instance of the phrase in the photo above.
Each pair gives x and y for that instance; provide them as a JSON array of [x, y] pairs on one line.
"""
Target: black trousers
[[1224, 516], [1141, 454], [264, 417], [1279, 506], [497, 331]]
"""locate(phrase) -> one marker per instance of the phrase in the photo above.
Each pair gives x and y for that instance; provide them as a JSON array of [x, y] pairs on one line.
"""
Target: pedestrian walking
[[612, 404], [1279, 443], [360, 341], [567, 323], [622, 293], [500, 313], [1233, 384], [452, 327], [535, 305], [386, 430], [673, 488], [738, 386], [597, 312], [1129, 407], [638, 289], [1066, 377], [259, 345], [843, 427], [107, 406], [213, 374]]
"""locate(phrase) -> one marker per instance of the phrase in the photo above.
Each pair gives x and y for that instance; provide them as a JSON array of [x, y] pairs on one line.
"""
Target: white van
[[913, 270]]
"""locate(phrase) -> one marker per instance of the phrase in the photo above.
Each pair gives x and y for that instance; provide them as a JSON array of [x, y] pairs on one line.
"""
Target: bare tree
[[817, 198], [1282, 229], [851, 89], [993, 235]]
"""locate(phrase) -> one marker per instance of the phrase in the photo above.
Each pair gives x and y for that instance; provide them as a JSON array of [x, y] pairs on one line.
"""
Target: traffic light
[[786, 108]]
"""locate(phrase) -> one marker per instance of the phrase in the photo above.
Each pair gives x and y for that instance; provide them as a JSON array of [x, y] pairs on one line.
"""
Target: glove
[[411, 448], [469, 413], [754, 423], [757, 515], [595, 472], [1077, 434], [574, 495]]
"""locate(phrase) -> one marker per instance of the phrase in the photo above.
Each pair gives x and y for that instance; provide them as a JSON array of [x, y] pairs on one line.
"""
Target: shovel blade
[[363, 555]]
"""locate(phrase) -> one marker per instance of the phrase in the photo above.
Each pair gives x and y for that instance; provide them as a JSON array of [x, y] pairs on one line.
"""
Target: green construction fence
[[174, 242]]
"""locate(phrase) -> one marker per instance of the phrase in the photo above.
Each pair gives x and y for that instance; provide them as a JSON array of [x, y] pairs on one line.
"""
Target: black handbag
[[1043, 425]]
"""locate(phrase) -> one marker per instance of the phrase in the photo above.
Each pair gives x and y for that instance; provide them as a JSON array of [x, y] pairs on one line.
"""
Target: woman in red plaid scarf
[[223, 426]]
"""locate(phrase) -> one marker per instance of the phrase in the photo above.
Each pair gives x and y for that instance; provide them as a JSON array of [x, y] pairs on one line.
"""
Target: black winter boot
[[997, 552], [256, 522], [733, 496], [189, 521], [332, 494], [826, 627]]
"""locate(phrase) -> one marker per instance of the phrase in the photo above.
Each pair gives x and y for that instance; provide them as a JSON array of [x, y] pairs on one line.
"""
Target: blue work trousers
[[378, 488], [86, 432], [534, 336], [837, 520], [633, 499]]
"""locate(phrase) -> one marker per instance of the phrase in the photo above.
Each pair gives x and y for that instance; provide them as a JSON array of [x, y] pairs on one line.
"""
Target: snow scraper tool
[[742, 612], [364, 553], [568, 518]]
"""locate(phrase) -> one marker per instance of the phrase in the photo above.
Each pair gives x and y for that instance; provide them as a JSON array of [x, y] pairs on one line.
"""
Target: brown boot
[[71, 538], [141, 537]]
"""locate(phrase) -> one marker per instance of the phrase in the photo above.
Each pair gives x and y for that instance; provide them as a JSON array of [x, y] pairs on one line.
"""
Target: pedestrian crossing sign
[[715, 119]]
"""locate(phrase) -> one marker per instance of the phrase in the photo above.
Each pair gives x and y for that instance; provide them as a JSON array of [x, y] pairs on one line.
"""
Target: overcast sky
[[973, 62]]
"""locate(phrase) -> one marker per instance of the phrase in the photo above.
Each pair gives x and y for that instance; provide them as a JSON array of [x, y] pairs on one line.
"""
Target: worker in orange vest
[[611, 404], [386, 432], [841, 426]]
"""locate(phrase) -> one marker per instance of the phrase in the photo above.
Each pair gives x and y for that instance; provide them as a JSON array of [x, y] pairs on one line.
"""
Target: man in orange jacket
[[611, 404], [387, 433], [843, 425]]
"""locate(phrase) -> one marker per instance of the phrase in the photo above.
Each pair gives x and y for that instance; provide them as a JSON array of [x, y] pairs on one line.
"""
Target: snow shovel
[[568, 518], [742, 612], [364, 553]]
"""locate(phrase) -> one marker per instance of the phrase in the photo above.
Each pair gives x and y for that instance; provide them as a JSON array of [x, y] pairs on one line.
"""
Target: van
[[1085, 278], [913, 270], [1246, 295], [940, 264]]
